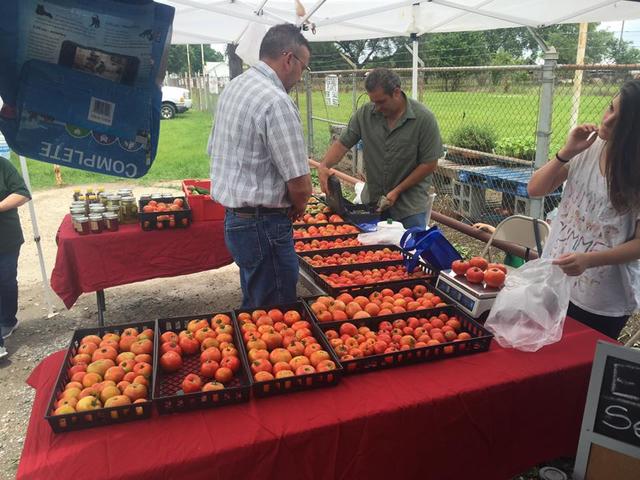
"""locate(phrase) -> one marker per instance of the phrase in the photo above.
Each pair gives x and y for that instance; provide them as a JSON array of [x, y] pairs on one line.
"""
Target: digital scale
[[475, 299]]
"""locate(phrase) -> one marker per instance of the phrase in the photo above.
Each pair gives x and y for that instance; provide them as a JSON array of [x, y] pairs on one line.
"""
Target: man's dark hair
[[280, 39], [383, 78]]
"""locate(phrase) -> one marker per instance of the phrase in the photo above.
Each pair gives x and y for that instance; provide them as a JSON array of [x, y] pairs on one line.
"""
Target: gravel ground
[[38, 335]]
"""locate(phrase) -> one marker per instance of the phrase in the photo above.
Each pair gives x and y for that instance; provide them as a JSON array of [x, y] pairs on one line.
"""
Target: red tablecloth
[[94, 262], [484, 416]]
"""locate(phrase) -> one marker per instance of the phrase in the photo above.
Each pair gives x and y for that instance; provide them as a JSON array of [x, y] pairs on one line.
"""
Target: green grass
[[181, 154], [508, 114]]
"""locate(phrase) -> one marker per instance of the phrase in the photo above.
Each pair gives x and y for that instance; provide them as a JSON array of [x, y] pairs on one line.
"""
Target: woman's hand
[[579, 139], [573, 264]]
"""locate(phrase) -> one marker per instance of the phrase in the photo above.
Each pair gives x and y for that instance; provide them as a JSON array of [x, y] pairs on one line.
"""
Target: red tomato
[[191, 383], [171, 361], [260, 365], [209, 368], [211, 353], [232, 363], [170, 347], [460, 267], [474, 275], [224, 374], [494, 277], [499, 266], [189, 345], [479, 262]]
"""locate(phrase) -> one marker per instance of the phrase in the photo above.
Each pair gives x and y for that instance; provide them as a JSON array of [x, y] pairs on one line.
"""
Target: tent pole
[[577, 76], [36, 238], [414, 67]]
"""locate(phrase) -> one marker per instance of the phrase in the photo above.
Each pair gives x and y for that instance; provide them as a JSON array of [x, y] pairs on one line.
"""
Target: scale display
[[474, 299]]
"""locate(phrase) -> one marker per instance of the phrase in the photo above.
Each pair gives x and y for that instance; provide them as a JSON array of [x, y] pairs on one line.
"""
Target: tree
[[177, 59], [624, 53], [360, 52], [600, 43], [326, 56]]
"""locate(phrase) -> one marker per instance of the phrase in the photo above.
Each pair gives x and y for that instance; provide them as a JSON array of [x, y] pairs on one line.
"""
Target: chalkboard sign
[[610, 435]]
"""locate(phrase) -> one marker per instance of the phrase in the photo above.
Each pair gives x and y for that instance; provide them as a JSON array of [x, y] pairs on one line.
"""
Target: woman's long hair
[[623, 152]]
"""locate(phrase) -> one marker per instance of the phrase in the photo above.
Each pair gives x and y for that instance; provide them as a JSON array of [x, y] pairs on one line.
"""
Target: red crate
[[202, 206]]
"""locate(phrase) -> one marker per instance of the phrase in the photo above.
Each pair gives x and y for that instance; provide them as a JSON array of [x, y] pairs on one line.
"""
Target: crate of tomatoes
[[378, 254], [367, 344], [326, 244], [105, 378], [286, 350], [341, 278], [417, 296], [170, 212], [199, 363]]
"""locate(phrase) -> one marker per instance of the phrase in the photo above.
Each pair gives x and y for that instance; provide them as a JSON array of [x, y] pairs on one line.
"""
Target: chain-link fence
[[489, 120]]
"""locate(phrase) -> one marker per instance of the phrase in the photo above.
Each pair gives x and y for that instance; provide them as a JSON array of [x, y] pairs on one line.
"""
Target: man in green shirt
[[13, 193], [402, 145]]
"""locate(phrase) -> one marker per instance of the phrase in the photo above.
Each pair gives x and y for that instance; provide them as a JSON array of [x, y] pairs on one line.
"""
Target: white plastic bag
[[529, 311], [388, 233], [248, 48], [358, 187]]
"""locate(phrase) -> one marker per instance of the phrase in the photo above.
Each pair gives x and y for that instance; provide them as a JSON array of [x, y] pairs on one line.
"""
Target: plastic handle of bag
[[410, 239], [536, 234]]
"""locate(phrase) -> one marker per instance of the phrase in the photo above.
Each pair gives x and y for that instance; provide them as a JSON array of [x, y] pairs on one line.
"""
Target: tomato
[[211, 353], [189, 345], [169, 337], [224, 375], [141, 346], [212, 386], [460, 267], [499, 266], [142, 369], [232, 363], [191, 383], [263, 376], [171, 361], [494, 277], [261, 365], [474, 275], [209, 368], [479, 262], [170, 347]]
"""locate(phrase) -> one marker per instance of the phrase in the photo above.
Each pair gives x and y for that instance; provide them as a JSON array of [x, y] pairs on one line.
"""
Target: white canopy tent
[[224, 21]]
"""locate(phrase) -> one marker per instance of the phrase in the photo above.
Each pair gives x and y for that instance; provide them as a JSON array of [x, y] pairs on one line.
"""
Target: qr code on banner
[[101, 111]]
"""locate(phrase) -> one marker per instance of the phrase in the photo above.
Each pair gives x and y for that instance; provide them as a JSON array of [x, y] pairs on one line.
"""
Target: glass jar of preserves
[[111, 222], [77, 211], [76, 194], [92, 199], [96, 223], [125, 192], [128, 210], [97, 208], [114, 201], [81, 224], [115, 210]]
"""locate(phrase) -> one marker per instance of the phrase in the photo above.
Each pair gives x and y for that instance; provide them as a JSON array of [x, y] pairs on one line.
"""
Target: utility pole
[[577, 77], [188, 68], [205, 81]]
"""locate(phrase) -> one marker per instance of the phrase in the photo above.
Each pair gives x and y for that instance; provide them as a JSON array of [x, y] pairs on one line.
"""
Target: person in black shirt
[[13, 193]]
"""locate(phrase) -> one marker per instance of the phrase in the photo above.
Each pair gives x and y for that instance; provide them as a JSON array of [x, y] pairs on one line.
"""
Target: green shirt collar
[[408, 112]]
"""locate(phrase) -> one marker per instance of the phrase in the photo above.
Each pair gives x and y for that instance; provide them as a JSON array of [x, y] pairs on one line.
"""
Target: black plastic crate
[[165, 220], [479, 342], [103, 416], [308, 267], [330, 238], [168, 395], [369, 290], [334, 291], [325, 237], [298, 382]]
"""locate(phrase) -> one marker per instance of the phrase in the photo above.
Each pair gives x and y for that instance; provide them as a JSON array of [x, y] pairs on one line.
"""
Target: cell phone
[[110, 66]]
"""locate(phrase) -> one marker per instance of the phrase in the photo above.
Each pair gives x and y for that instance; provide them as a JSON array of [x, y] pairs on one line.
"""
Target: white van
[[174, 100]]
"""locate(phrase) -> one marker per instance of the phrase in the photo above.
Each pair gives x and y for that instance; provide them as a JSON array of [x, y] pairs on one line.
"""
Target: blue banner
[[83, 83]]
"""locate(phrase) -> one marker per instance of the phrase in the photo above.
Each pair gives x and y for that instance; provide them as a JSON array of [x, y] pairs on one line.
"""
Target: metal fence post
[[545, 114], [309, 87]]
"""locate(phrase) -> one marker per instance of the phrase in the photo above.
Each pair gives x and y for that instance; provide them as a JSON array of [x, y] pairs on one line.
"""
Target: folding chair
[[527, 232]]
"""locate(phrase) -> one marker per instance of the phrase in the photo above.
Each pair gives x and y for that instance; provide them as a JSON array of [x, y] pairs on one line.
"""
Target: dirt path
[[38, 335]]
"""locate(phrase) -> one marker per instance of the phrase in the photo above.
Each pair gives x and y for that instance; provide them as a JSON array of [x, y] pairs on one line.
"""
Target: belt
[[257, 211]]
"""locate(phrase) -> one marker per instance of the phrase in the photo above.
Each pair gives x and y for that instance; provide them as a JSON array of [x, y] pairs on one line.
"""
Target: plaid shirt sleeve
[[285, 140]]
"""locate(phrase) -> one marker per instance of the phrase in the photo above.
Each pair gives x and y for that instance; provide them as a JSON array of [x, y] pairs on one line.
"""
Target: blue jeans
[[262, 246], [8, 289]]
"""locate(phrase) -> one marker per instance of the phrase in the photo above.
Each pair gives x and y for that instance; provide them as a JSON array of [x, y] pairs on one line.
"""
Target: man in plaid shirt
[[259, 167]]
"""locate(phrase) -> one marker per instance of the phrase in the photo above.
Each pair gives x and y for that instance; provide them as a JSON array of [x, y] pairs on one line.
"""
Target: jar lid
[[111, 215], [128, 199], [97, 206], [125, 191], [95, 216], [78, 211], [81, 218]]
